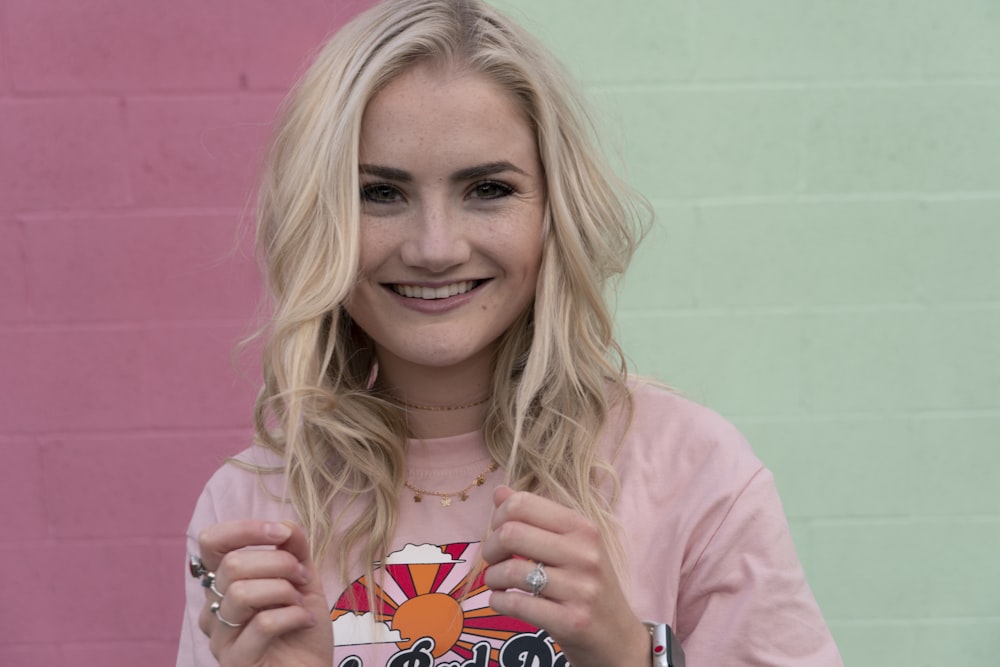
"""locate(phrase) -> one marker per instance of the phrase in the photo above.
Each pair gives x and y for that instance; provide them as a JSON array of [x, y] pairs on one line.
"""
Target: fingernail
[[277, 531], [303, 574]]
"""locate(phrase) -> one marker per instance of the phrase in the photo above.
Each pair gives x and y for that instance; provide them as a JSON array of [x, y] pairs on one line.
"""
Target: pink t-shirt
[[706, 540]]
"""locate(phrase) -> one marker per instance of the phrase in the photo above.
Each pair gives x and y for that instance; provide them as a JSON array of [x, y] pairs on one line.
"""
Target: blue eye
[[379, 193], [491, 190]]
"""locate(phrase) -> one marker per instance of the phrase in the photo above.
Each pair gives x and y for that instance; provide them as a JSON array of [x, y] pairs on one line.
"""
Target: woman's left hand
[[582, 607]]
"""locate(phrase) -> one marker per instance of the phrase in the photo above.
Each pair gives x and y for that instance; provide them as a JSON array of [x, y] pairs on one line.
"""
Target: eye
[[380, 193], [491, 190]]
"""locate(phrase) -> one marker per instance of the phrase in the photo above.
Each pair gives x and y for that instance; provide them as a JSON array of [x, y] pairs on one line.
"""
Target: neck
[[441, 401]]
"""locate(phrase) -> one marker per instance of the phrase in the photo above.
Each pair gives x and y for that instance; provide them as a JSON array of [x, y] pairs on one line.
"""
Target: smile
[[429, 293]]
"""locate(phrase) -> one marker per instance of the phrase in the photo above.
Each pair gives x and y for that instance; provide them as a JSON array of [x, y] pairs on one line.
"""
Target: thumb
[[297, 544]]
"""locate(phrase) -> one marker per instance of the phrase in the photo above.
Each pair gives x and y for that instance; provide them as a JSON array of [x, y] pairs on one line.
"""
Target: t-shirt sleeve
[[193, 649], [745, 601]]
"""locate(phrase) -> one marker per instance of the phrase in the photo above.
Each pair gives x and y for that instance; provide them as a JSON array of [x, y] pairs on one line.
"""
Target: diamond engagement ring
[[536, 580]]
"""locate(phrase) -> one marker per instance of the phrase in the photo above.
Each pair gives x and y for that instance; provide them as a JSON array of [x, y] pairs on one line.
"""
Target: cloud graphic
[[351, 629], [413, 554]]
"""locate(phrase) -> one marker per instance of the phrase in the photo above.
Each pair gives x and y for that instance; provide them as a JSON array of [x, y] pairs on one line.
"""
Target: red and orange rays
[[431, 591]]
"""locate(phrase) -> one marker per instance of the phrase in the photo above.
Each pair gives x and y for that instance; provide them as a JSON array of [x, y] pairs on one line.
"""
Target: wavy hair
[[558, 370]]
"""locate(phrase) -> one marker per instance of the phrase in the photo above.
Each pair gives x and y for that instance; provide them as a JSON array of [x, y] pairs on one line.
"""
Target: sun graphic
[[426, 591]]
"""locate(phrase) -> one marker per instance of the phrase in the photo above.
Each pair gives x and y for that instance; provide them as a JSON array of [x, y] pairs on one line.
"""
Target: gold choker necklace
[[442, 408], [463, 494]]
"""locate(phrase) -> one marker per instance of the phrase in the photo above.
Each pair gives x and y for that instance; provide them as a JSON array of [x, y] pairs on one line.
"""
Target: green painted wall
[[824, 272]]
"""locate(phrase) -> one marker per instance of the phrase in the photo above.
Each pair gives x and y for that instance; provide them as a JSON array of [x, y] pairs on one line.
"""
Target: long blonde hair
[[558, 370]]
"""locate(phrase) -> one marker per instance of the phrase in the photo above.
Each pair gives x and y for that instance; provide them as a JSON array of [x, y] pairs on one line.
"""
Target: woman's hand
[[274, 596], [582, 605]]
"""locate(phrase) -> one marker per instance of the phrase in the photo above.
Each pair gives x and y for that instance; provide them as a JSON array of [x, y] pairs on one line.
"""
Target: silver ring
[[214, 608], [196, 567], [208, 581], [536, 580]]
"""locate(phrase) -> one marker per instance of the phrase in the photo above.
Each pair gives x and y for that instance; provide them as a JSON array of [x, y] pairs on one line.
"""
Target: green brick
[[962, 642], [664, 269], [907, 569], [877, 644], [962, 38], [957, 466], [816, 464], [902, 360], [935, 138], [952, 642], [807, 254], [962, 138], [736, 363], [867, 139], [863, 362], [611, 42], [960, 359], [957, 250], [699, 143], [795, 40]]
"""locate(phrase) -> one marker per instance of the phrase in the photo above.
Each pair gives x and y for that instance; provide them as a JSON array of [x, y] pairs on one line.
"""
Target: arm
[[744, 600], [265, 588]]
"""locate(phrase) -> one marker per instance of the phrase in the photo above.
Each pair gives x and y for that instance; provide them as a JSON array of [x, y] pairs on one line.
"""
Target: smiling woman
[[452, 466], [451, 234]]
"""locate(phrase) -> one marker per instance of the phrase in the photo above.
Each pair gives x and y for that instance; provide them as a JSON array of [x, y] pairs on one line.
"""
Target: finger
[[243, 601], [532, 509], [265, 627], [538, 611], [217, 540], [297, 544], [513, 574], [259, 564]]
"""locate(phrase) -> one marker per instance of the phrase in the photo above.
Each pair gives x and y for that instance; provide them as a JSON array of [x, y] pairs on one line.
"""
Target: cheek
[[375, 247]]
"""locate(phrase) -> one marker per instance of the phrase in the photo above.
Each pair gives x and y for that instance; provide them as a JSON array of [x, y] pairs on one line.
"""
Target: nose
[[438, 241]]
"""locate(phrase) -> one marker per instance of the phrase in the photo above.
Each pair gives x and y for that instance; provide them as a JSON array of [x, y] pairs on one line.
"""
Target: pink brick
[[31, 655], [72, 379], [195, 383], [22, 503], [115, 45], [121, 654], [198, 151], [90, 591], [61, 153], [140, 268], [292, 32], [130, 486], [4, 68], [14, 306]]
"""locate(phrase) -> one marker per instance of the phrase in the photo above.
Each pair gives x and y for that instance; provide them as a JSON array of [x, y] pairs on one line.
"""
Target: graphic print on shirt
[[432, 610]]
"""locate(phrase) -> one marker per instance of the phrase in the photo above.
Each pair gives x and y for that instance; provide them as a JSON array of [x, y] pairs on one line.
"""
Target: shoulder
[[673, 452], [663, 423], [249, 485]]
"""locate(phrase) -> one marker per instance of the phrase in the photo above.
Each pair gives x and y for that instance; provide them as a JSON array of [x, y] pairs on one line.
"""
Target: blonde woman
[[451, 467]]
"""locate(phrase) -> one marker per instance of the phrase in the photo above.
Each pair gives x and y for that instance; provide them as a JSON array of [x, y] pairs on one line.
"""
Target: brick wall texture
[[823, 271]]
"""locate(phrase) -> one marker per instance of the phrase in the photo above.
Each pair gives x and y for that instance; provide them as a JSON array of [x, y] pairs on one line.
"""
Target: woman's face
[[453, 201]]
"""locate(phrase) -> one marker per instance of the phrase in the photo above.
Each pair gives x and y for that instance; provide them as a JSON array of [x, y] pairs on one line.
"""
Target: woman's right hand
[[275, 596]]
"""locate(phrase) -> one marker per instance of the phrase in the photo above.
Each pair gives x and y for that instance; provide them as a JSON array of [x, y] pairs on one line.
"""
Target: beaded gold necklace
[[461, 494]]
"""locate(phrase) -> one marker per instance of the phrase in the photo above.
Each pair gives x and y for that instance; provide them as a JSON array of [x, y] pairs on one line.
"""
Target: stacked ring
[[196, 567], [208, 581], [214, 608]]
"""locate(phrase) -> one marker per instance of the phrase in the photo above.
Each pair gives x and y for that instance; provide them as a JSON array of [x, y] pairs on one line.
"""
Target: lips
[[432, 293]]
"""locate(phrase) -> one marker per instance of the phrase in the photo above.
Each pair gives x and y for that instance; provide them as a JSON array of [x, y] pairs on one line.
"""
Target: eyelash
[[369, 192]]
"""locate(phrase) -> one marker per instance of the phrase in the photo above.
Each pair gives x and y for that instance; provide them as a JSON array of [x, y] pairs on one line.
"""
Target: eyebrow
[[466, 174]]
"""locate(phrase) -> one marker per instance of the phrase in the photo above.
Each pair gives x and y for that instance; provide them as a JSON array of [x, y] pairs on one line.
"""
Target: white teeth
[[443, 292]]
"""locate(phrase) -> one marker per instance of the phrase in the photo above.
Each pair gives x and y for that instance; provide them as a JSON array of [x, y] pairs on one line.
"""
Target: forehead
[[434, 109]]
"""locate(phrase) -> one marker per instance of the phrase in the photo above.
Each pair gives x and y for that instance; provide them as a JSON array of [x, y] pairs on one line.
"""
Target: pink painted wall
[[130, 131]]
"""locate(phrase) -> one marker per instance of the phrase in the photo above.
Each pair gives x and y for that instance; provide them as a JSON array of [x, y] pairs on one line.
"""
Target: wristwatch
[[667, 651]]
